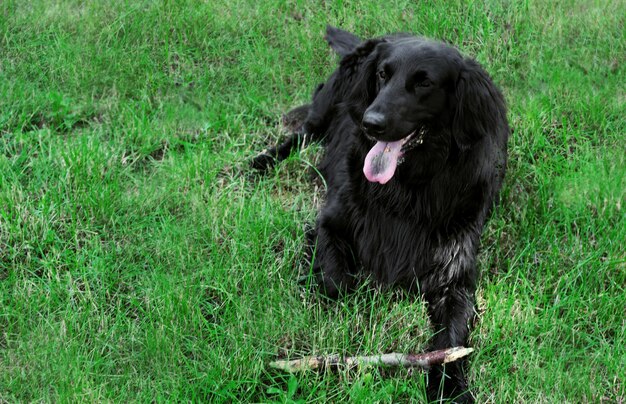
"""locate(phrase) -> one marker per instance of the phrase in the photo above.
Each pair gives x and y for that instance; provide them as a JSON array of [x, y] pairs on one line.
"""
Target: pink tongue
[[381, 161]]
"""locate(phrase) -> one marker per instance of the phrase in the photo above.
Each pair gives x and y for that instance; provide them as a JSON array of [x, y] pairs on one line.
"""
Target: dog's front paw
[[333, 283], [450, 387], [436, 395]]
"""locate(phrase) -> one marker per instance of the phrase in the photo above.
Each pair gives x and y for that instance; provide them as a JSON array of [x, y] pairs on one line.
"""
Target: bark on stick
[[423, 360]]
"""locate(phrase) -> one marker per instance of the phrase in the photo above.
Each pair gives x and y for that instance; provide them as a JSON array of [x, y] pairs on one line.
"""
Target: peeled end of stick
[[298, 365], [454, 354]]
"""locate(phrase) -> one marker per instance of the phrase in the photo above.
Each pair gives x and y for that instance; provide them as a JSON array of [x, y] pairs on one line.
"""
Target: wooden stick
[[424, 360]]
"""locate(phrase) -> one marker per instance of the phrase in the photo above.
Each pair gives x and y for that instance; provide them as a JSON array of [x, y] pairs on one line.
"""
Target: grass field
[[139, 260]]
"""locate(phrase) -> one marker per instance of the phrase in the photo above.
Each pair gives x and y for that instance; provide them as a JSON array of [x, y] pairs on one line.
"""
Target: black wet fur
[[422, 229]]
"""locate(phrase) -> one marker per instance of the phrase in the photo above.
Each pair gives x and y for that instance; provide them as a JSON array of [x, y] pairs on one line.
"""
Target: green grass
[[139, 261]]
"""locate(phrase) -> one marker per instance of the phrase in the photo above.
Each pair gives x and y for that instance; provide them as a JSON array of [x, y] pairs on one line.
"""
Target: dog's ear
[[358, 71], [342, 42], [479, 105]]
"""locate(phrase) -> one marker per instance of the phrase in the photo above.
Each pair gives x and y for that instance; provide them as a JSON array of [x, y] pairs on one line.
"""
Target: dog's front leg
[[333, 261], [449, 291]]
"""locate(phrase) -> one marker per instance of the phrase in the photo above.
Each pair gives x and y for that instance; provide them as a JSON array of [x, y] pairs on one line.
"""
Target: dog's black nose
[[374, 123]]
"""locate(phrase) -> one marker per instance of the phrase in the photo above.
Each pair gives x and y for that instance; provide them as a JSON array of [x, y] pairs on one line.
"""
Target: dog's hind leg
[[268, 158], [293, 121]]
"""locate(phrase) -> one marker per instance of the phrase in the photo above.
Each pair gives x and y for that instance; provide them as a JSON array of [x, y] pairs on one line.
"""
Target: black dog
[[416, 142]]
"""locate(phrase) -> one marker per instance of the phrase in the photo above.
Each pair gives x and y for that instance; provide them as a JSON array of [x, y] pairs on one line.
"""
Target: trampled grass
[[140, 261]]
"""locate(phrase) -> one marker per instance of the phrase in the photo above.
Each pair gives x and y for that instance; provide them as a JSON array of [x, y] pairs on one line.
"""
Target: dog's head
[[402, 87]]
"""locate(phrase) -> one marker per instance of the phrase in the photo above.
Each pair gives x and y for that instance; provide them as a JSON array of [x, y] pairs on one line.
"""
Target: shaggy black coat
[[415, 141]]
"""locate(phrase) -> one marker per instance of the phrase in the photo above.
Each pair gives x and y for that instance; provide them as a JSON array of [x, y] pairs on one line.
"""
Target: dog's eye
[[423, 83], [382, 76]]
